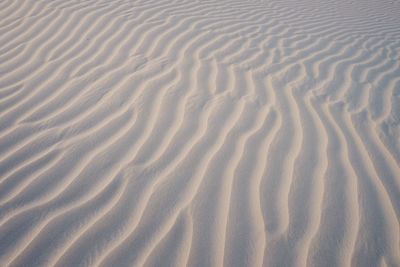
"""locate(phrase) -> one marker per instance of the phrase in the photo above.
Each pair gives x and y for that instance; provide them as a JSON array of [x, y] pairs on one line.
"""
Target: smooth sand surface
[[199, 133]]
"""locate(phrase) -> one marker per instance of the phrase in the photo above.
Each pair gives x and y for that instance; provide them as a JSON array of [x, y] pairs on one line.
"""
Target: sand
[[199, 133]]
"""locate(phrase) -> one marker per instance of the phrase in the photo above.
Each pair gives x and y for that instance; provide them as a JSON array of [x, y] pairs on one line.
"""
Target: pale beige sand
[[199, 133]]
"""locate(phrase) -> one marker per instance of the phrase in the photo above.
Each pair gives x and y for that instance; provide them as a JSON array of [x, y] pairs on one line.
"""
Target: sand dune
[[199, 133]]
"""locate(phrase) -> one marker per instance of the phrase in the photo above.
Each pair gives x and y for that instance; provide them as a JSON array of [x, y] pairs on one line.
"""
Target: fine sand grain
[[199, 133]]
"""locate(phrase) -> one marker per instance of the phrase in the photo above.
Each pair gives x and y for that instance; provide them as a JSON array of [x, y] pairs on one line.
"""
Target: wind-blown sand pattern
[[199, 133]]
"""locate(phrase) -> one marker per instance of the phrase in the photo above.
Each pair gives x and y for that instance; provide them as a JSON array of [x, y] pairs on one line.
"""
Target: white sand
[[199, 133]]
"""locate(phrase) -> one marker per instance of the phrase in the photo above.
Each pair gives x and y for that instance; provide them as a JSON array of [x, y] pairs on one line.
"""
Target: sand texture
[[199, 133]]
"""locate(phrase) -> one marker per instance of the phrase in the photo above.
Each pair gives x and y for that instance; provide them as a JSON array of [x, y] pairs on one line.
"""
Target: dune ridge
[[199, 133]]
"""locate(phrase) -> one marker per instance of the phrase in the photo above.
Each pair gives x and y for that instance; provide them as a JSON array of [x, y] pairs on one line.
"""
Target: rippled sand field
[[199, 133]]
